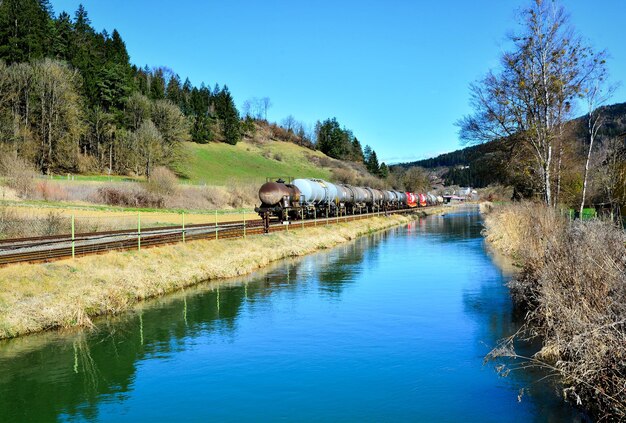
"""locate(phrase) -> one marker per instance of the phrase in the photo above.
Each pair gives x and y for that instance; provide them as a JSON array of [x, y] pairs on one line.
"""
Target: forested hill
[[484, 164], [615, 124], [71, 101]]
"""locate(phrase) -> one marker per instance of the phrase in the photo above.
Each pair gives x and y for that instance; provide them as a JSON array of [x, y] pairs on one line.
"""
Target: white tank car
[[317, 191]]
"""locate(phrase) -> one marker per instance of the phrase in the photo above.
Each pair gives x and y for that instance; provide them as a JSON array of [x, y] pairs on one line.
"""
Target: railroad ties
[[56, 247]]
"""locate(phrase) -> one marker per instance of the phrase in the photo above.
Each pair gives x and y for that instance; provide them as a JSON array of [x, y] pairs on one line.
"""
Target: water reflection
[[381, 308], [54, 374]]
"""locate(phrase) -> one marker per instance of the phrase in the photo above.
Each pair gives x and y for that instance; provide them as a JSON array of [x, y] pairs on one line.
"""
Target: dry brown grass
[[70, 293], [19, 222], [485, 207], [573, 284], [522, 230], [496, 193]]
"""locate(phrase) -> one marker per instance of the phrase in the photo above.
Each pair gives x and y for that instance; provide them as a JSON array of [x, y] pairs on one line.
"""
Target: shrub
[[217, 197], [51, 191], [242, 195], [344, 176], [496, 193], [162, 182], [20, 174], [87, 164], [128, 198]]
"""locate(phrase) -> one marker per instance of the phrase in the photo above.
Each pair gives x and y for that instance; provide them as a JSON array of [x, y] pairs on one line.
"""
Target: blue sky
[[394, 72]]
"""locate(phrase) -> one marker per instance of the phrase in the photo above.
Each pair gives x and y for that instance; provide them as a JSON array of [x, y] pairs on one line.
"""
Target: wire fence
[[46, 248], [17, 222]]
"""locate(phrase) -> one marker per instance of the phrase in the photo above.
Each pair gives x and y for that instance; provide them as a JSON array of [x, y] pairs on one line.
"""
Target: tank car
[[411, 200], [308, 198], [423, 202], [279, 199]]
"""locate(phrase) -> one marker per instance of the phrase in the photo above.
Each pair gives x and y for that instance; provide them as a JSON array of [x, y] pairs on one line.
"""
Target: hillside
[[219, 163]]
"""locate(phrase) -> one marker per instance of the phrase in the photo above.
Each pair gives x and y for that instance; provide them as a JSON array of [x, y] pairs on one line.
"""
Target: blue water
[[393, 327]]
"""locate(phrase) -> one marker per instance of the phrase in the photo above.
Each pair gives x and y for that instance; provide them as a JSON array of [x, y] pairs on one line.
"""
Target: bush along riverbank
[[572, 284], [36, 297]]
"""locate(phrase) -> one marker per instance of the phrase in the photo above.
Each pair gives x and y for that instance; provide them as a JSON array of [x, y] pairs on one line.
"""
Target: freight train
[[314, 198]]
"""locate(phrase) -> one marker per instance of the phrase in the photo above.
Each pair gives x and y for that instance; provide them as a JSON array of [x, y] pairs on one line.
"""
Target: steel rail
[[57, 247]]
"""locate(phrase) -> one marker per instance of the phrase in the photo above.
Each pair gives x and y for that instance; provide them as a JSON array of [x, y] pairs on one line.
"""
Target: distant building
[[453, 199], [464, 192]]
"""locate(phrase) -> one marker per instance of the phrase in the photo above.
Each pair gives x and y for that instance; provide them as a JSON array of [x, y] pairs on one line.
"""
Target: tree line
[[340, 143]]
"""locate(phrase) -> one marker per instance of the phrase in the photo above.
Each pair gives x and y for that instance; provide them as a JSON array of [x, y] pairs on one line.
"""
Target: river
[[392, 327]]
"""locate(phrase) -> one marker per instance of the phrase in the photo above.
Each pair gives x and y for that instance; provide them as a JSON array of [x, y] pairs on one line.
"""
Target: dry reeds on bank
[[573, 283]]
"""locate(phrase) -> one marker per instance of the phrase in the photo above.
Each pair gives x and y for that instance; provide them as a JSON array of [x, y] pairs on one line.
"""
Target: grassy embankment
[[70, 293], [573, 285]]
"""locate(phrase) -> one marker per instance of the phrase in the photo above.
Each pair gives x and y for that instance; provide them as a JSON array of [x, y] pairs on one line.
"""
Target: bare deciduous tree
[[60, 122], [531, 97], [289, 123], [246, 109], [595, 94], [266, 103], [149, 145]]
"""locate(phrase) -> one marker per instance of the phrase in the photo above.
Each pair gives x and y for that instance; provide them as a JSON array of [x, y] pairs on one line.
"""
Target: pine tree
[[357, 150], [173, 92], [372, 164], [228, 115], [113, 86], [141, 81], [116, 49], [333, 140], [185, 101], [203, 129], [62, 43], [367, 152], [157, 85], [384, 170], [83, 54]]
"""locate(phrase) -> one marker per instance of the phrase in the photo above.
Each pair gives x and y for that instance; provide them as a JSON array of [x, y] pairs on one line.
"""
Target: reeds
[[573, 284]]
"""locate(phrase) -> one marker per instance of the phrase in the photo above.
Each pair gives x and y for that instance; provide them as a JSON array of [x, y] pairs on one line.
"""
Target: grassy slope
[[220, 164]]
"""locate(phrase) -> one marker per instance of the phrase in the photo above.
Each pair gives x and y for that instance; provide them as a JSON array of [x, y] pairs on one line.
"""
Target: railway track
[[56, 247]]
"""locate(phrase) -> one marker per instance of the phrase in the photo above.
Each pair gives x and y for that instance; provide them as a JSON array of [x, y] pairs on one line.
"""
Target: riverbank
[[37, 297], [572, 284]]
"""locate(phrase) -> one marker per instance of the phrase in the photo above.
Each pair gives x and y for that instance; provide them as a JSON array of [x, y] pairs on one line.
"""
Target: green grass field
[[95, 178], [219, 163]]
